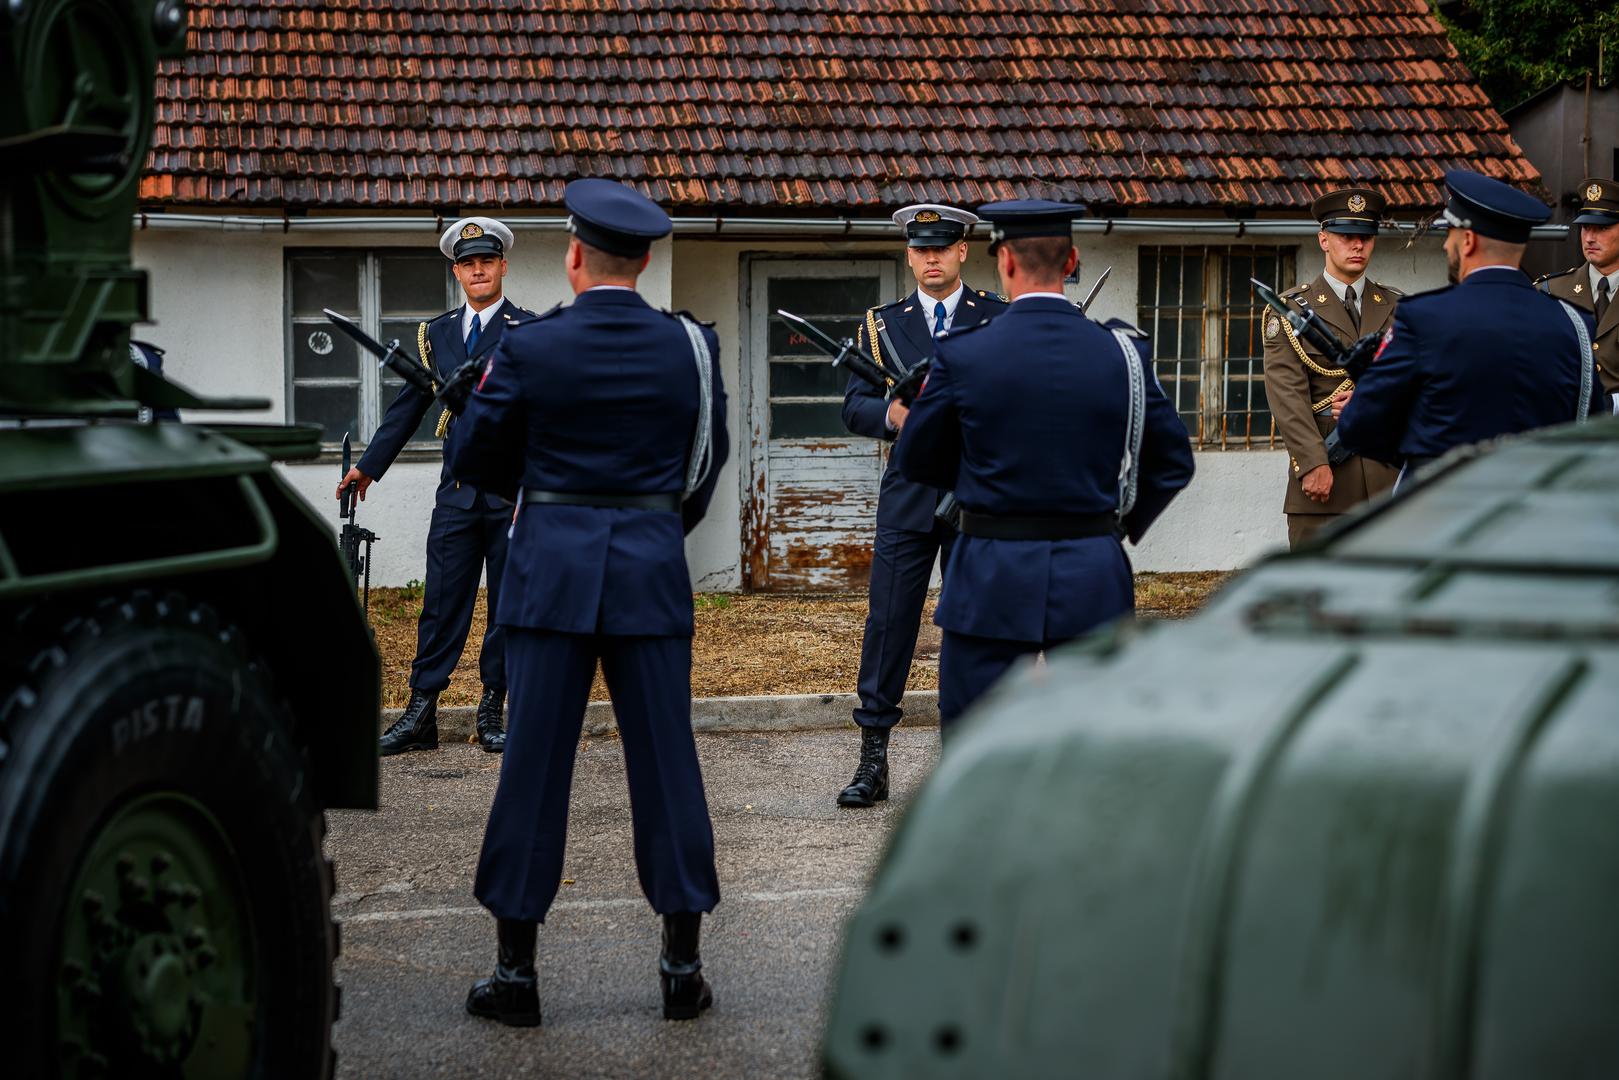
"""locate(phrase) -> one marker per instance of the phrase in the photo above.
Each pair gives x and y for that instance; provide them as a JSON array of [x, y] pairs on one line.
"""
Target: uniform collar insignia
[[1321, 299], [1579, 288], [1377, 298]]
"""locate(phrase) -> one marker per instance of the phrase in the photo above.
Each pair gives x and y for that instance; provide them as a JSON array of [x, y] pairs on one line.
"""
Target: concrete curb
[[766, 712]]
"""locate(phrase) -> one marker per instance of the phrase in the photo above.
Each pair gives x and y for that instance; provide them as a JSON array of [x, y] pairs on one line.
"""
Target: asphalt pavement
[[792, 867]]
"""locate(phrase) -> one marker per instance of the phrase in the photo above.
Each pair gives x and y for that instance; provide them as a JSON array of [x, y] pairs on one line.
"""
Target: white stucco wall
[[218, 302]]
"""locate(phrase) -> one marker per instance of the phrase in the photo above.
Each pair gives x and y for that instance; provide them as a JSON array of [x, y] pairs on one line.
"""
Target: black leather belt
[[661, 500], [1061, 527]]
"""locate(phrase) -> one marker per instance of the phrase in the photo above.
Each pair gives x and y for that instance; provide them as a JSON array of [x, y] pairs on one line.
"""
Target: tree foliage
[[1517, 48]]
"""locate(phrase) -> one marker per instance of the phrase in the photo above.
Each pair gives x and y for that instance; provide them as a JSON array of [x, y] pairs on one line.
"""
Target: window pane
[[334, 408], [807, 421], [413, 284], [785, 340], [807, 380], [388, 389], [321, 351], [402, 329], [326, 281], [823, 296]]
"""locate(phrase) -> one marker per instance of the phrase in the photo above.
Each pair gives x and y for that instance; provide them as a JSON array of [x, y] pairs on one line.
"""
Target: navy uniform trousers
[[649, 679], [461, 546]]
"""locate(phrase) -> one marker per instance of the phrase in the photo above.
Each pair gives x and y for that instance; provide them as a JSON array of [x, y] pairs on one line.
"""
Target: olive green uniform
[[1575, 286], [1300, 383]]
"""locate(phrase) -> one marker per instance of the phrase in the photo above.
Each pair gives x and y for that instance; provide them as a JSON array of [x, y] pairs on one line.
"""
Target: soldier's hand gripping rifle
[[451, 392], [352, 536], [1354, 358]]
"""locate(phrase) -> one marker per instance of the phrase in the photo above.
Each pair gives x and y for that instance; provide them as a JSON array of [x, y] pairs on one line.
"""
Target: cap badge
[[1273, 326], [1357, 203], [926, 217], [1594, 192], [471, 230]]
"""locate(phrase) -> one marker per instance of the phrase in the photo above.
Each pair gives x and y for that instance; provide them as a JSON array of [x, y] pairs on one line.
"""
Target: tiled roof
[[809, 106]]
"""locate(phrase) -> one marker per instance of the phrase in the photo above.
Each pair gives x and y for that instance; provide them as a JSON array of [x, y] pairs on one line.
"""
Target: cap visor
[[1595, 217], [466, 249], [1351, 228]]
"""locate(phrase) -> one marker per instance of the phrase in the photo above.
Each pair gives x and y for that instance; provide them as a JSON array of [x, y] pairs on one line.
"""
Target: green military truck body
[[188, 681], [1355, 819]]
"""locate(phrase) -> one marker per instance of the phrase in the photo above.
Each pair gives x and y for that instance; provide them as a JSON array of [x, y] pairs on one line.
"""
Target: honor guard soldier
[[467, 536], [1594, 284], [606, 420], [1483, 357], [909, 534], [1057, 440], [1300, 383]]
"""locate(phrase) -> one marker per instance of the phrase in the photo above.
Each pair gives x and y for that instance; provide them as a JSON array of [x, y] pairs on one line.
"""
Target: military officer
[[605, 419], [1594, 284], [467, 536], [1028, 418], [909, 535], [1300, 382], [1483, 357]]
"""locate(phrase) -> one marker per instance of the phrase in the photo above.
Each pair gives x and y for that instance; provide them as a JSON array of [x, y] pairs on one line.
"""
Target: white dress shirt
[[483, 317], [1340, 287], [950, 303], [1596, 276]]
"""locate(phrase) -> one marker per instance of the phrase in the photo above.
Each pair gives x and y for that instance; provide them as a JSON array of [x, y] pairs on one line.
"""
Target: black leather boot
[[685, 992], [416, 728], [870, 783], [491, 725], [512, 994]]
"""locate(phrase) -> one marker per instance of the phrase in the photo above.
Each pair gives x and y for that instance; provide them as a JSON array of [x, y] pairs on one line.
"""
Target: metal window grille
[[389, 292], [1197, 305]]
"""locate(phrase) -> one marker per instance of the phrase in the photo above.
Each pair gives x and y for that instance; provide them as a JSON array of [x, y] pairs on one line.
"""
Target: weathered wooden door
[[812, 489]]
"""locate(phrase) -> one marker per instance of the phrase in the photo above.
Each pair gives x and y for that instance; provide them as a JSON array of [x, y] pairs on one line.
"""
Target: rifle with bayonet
[[352, 536], [1354, 358], [1085, 304], [451, 392]]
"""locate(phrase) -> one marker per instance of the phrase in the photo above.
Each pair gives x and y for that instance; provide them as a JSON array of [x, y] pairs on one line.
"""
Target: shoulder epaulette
[[452, 313], [987, 295], [1120, 324], [1559, 273], [684, 314], [529, 316]]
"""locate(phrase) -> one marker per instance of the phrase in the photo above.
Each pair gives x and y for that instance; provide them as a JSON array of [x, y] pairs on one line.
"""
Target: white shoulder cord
[[1586, 360], [702, 452], [1135, 422]]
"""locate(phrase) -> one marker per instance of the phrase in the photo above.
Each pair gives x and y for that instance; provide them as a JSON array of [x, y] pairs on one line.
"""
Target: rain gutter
[[755, 227]]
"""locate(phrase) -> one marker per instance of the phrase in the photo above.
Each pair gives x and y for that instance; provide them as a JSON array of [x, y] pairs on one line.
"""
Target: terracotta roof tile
[[818, 105]]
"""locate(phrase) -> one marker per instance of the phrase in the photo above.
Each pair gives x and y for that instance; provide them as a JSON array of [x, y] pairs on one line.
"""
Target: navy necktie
[[938, 317], [472, 334]]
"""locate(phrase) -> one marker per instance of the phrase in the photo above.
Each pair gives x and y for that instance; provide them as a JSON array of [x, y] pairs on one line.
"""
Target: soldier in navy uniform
[[1594, 284], [1486, 356], [909, 535], [467, 536], [605, 419], [1027, 419]]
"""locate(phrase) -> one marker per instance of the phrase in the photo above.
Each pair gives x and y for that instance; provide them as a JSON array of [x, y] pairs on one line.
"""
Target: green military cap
[[1599, 202], [1349, 211]]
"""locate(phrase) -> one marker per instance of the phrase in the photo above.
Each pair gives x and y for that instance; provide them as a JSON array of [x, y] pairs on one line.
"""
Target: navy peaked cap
[[613, 217], [1029, 217], [1491, 208]]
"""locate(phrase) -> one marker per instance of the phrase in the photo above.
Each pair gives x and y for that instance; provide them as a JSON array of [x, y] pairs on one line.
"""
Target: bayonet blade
[[344, 504], [1085, 305]]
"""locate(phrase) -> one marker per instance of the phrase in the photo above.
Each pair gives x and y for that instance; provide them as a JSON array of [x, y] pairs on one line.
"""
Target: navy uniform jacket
[[598, 397], [902, 503], [1025, 416], [447, 351], [1488, 357]]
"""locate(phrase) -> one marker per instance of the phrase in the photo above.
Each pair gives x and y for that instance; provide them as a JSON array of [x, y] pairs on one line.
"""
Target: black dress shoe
[[870, 783], [416, 728], [491, 728], [512, 994], [685, 992]]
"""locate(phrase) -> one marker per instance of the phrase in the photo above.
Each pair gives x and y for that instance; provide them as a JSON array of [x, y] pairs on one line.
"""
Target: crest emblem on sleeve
[[471, 230], [1273, 326], [1357, 203], [1594, 192]]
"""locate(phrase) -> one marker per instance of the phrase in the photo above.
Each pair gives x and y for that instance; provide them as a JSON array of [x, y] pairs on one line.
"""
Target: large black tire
[[149, 703]]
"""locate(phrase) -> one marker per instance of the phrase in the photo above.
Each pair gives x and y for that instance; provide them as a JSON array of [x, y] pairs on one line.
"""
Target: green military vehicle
[[1358, 818], [188, 681]]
